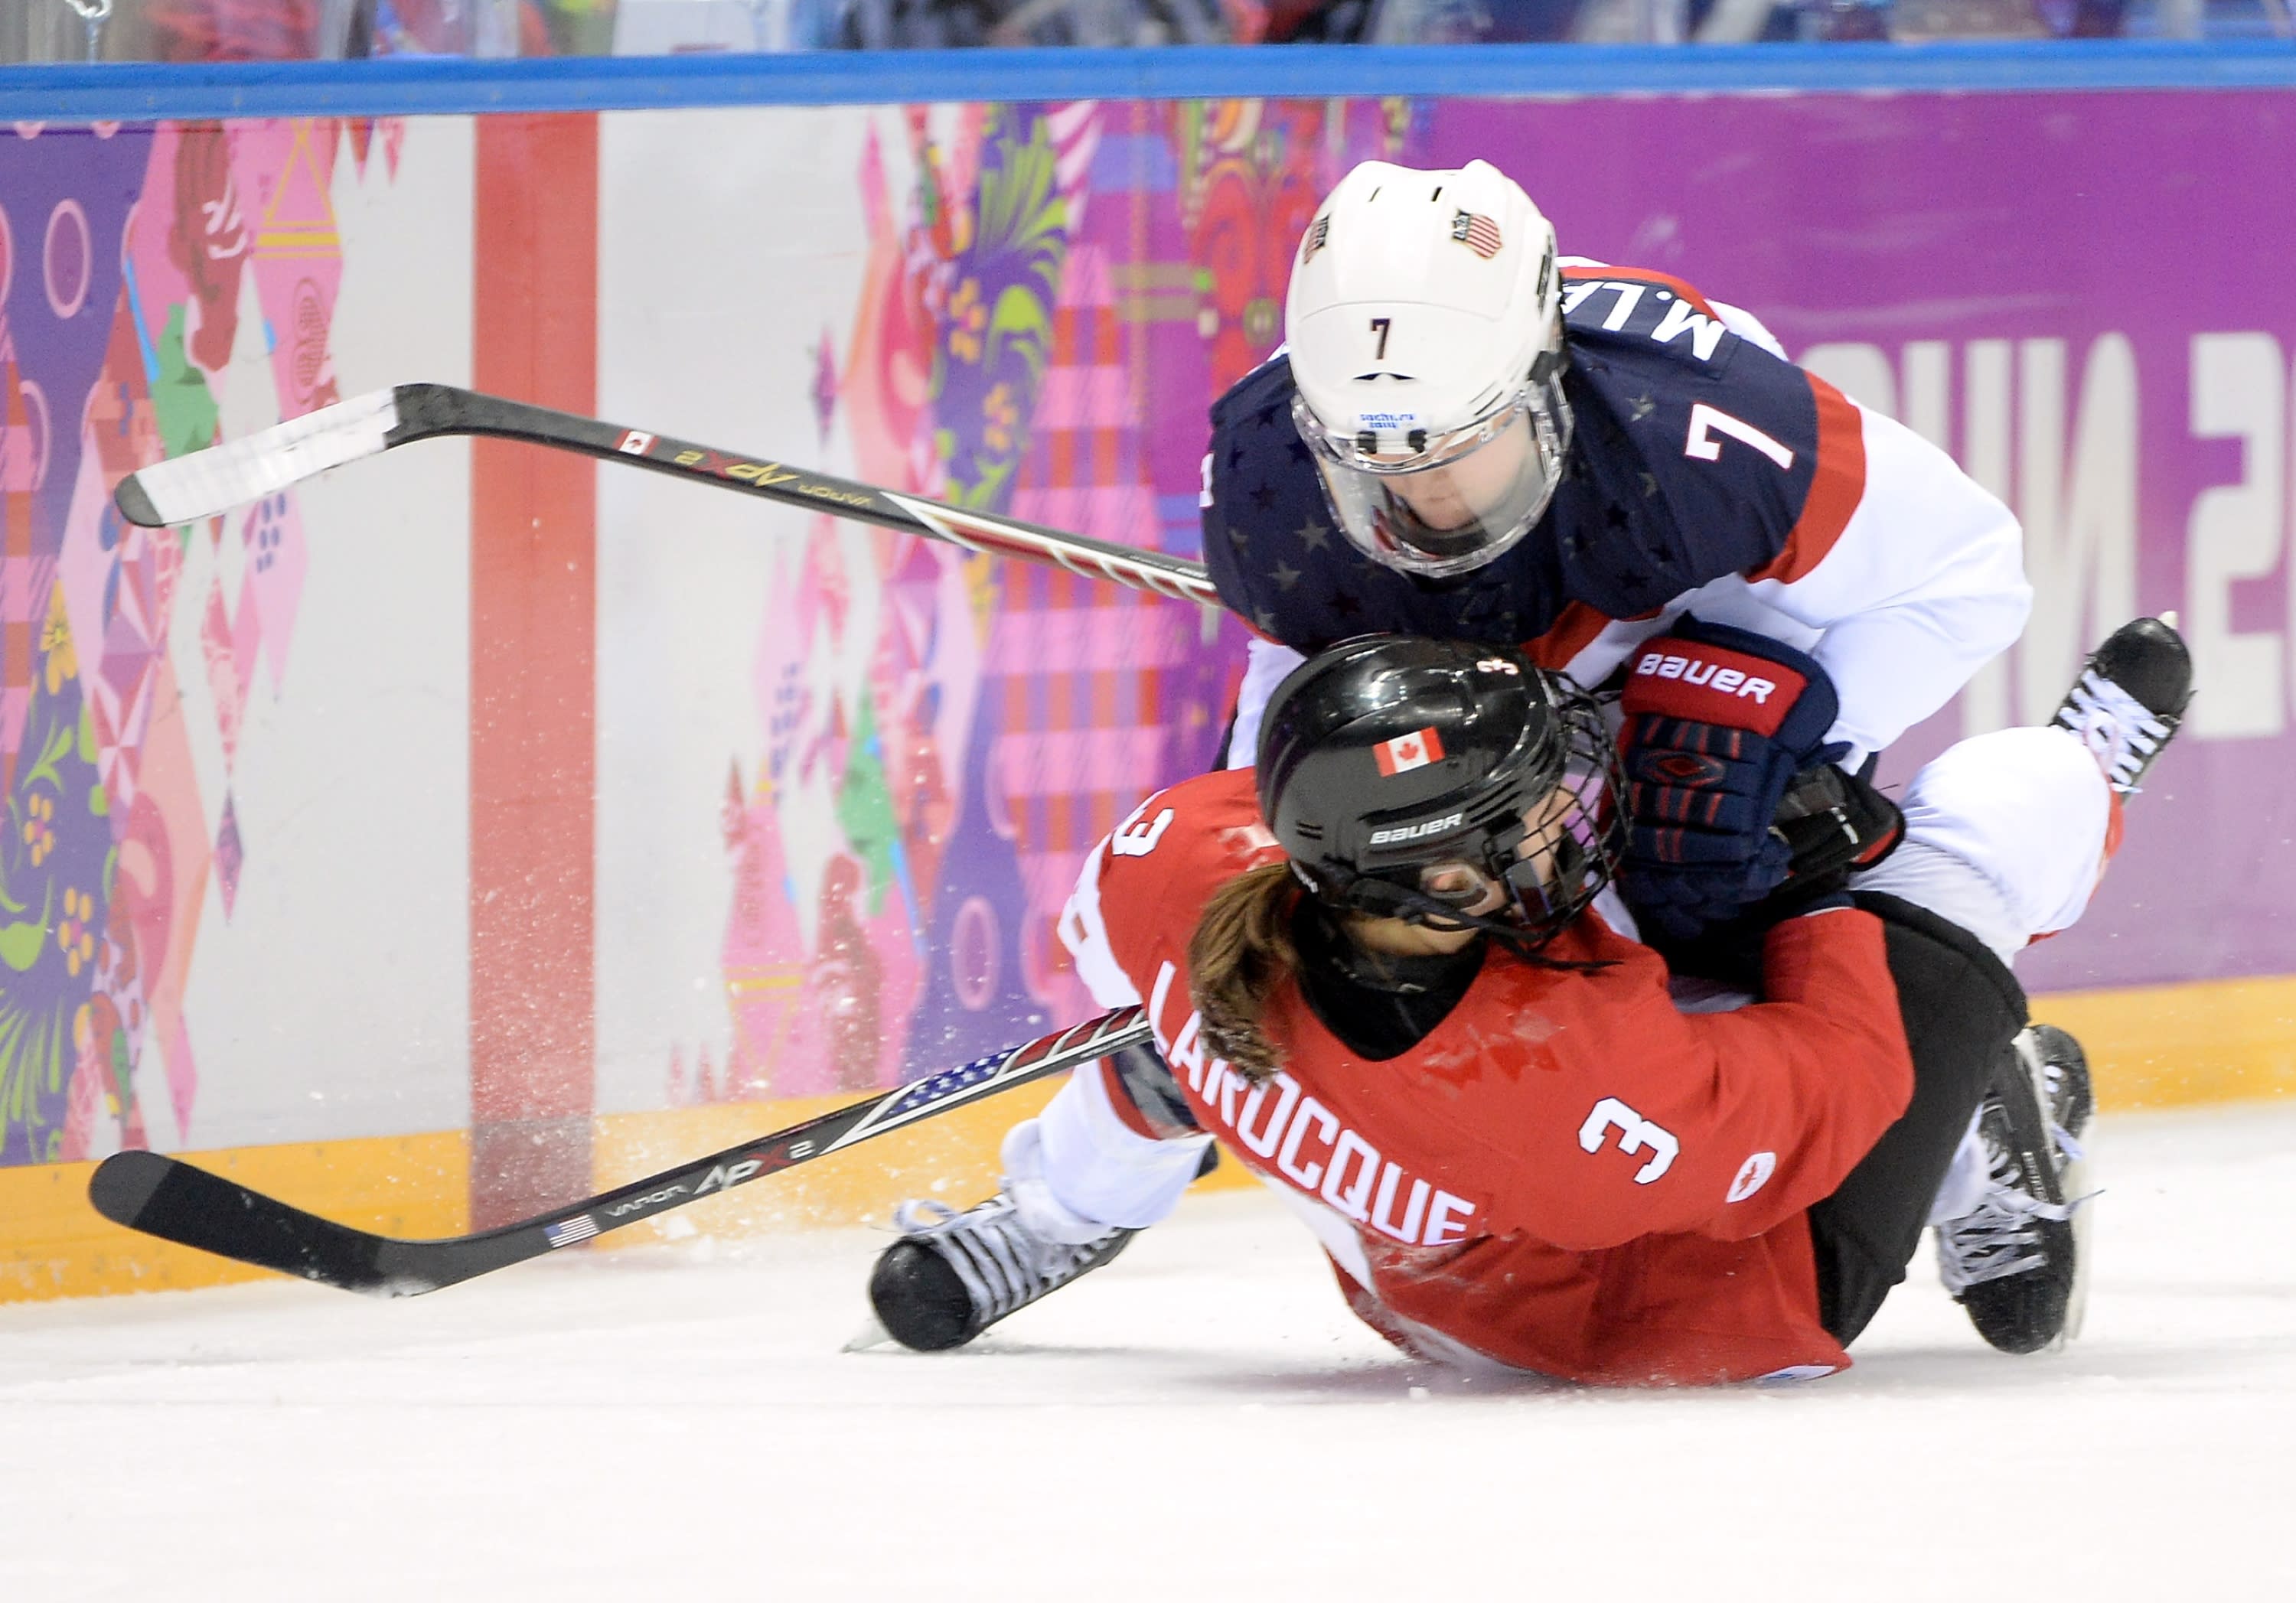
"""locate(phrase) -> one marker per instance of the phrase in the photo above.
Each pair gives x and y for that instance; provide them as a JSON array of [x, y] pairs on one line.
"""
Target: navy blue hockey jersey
[[1696, 454]]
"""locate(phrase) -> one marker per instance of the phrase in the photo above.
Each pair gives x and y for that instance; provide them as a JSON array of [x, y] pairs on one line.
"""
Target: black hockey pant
[[1962, 1009]]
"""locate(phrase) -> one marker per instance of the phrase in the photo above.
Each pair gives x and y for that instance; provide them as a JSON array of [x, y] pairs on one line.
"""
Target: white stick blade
[[202, 484]]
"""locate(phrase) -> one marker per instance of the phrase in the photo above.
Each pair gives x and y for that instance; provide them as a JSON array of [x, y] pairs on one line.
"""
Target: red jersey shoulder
[[1179, 847]]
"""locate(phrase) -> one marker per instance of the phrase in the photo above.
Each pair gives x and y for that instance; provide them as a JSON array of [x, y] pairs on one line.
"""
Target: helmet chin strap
[[1385, 899]]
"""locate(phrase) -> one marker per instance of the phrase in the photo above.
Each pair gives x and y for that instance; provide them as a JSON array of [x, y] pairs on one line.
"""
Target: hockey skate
[[2017, 1261], [2130, 698], [953, 1275]]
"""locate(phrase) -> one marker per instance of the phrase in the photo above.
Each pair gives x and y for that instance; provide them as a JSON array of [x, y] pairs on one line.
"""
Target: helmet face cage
[[1572, 851], [1439, 505]]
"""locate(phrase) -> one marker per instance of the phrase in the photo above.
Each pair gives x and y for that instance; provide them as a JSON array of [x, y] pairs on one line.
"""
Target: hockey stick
[[202, 484], [176, 1201]]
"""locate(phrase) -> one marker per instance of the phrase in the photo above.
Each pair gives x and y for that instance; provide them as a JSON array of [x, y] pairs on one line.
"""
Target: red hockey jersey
[[1569, 1174]]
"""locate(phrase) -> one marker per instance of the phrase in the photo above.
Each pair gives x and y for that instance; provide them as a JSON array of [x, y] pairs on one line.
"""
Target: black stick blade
[[123, 1183], [176, 1202], [134, 504]]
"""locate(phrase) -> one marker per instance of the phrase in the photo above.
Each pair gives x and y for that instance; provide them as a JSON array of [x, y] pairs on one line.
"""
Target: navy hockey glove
[[1718, 723]]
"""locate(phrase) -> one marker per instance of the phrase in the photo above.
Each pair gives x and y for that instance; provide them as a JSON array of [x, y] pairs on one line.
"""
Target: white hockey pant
[[2004, 836]]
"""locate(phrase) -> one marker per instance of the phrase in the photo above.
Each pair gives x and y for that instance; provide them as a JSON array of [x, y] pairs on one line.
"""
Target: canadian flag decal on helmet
[[1406, 752]]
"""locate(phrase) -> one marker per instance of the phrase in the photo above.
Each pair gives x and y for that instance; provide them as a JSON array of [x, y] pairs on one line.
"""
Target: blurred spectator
[[1487, 22], [289, 30], [578, 28], [481, 27], [236, 30], [2007, 18], [703, 27], [1317, 22], [930, 24], [270, 30]]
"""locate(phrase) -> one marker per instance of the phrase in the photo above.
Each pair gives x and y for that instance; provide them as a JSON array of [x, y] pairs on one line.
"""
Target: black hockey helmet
[[1408, 778]]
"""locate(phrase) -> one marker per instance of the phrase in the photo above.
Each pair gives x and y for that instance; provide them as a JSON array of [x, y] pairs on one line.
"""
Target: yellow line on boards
[[53, 1243], [2173, 1046]]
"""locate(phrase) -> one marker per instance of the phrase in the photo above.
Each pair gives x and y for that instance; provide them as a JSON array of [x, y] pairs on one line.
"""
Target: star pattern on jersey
[[1628, 527]]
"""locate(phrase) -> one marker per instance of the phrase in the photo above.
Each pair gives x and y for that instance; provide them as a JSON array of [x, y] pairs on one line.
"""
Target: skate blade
[[2077, 1183], [869, 1337], [2080, 1173]]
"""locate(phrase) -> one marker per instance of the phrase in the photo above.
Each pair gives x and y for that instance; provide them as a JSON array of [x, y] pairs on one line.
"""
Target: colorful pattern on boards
[[153, 282], [1047, 313], [1049, 297], [1048, 287]]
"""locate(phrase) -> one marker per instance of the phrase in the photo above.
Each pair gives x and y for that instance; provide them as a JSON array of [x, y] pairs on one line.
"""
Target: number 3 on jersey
[[1136, 836], [1636, 1133]]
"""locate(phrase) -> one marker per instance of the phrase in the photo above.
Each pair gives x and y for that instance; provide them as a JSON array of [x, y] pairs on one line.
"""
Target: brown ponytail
[[1242, 951]]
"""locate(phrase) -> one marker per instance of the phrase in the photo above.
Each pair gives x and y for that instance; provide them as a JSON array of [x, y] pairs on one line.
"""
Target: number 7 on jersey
[[1707, 422]]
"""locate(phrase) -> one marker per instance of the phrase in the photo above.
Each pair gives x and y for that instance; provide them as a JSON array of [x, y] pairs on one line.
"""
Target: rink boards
[[440, 836]]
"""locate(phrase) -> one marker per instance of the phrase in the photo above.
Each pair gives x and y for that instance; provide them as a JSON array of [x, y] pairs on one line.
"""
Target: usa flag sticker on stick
[[581, 1227], [1406, 752]]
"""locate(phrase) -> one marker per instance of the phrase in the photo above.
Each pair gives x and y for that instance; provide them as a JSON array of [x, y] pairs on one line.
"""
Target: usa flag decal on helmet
[[1406, 752], [1477, 233]]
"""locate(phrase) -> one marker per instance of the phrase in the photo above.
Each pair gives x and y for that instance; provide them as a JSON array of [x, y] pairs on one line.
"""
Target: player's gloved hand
[[1720, 723], [1833, 821]]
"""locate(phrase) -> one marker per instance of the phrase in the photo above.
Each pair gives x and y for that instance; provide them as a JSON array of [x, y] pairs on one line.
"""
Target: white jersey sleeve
[[1265, 665], [1923, 587], [1747, 326], [1089, 1161]]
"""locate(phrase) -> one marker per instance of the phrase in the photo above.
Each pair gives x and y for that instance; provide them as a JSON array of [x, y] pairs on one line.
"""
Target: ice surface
[[1202, 1419]]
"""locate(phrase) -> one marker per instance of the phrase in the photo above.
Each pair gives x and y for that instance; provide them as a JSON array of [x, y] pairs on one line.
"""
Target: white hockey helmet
[[1424, 325]]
